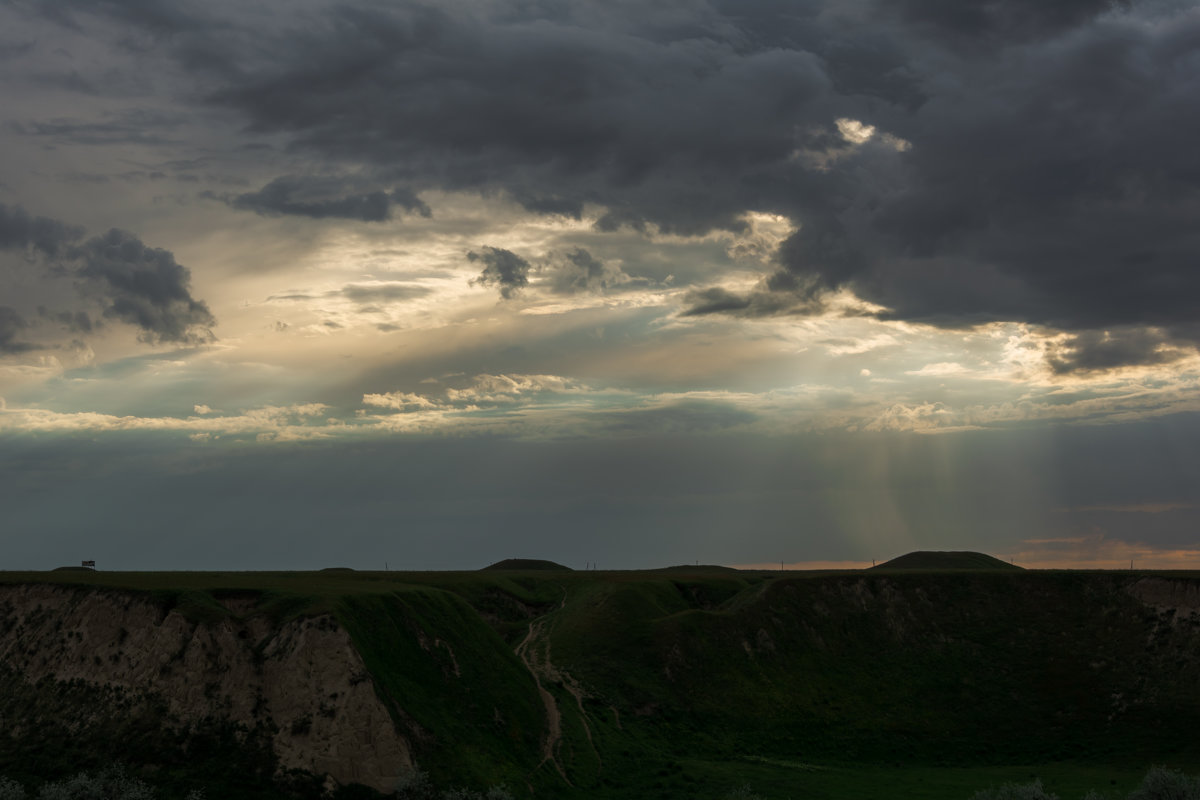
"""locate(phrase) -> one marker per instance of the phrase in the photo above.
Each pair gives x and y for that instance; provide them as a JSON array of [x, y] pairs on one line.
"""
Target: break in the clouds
[[567, 222]]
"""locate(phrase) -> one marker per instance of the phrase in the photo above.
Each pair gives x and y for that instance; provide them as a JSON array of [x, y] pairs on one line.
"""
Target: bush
[[111, 784], [743, 792], [494, 793], [11, 790], [1165, 784], [415, 786], [1016, 791]]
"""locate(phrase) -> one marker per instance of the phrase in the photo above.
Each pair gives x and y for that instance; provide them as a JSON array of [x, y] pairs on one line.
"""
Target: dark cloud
[[1002, 22], [502, 268], [11, 325], [1055, 188], [11, 50], [146, 287], [1092, 351], [140, 285], [321, 197], [142, 126], [19, 230], [73, 321], [1004, 161], [67, 81], [555, 111], [715, 301], [364, 293]]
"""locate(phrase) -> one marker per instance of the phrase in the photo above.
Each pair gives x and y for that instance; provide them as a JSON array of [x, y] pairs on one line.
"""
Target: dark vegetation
[[690, 682]]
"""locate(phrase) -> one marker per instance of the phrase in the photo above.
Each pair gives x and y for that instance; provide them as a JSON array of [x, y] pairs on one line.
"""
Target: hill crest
[[946, 559], [526, 564]]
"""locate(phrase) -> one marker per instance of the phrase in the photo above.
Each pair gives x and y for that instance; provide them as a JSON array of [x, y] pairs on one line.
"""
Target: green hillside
[[945, 560], [682, 684]]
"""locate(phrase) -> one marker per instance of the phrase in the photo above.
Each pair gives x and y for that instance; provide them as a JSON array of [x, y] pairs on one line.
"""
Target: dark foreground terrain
[[679, 683]]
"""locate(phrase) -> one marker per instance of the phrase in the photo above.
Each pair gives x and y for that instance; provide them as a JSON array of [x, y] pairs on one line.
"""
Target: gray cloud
[[501, 268], [1029, 161], [142, 126], [687, 416], [364, 293], [146, 287], [140, 285], [11, 325], [322, 197], [1092, 351], [580, 271], [19, 230], [1013, 20], [73, 321]]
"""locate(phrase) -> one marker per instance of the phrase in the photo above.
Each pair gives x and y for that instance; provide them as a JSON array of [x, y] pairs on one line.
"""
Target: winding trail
[[534, 652], [528, 655]]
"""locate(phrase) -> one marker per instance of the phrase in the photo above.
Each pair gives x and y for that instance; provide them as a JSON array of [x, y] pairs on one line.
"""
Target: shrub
[[1016, 791], [111, 784], [1165, 784], [494, 793], [743, 792], [415, 786], [11, 790]]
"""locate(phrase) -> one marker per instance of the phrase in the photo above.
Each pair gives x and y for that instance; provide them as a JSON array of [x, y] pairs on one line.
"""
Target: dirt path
[[526, 651], [535, 654]]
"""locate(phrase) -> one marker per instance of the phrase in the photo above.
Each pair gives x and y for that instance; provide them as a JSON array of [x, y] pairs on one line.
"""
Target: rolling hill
[[945, 560], [575, 684]]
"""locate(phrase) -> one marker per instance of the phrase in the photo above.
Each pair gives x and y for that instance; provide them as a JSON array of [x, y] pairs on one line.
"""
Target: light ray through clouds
[[829, 284]]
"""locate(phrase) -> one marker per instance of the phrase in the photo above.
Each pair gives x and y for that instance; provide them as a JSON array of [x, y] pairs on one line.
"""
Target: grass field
[[688, 682]]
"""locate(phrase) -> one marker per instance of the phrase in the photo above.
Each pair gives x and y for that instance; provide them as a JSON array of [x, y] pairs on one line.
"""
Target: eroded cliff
[[301, 684]]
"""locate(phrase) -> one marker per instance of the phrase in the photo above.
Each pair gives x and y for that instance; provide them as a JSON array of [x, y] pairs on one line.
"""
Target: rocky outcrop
[[1178, 595], [302, 682]]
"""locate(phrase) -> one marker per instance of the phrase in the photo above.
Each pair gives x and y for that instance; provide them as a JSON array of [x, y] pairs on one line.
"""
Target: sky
[[746, 282]]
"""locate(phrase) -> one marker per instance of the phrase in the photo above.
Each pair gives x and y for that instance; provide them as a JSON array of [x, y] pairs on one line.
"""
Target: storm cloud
[[1004, 162], [763, 227], [11, 325], [130, 281], [327, 197], [503, 269]]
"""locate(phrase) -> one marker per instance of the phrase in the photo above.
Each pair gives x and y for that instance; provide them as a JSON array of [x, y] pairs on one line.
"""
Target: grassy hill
[[681, 684], [520, 564], [945, 560]]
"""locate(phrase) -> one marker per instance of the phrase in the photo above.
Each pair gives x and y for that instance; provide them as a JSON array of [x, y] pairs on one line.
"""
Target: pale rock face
[[1167, 594], [304, 678]]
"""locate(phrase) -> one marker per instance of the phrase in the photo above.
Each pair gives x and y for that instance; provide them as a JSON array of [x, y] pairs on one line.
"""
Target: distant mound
[[942, 559], [696, 568], [338, 569], [526, 564], [73, 569]]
